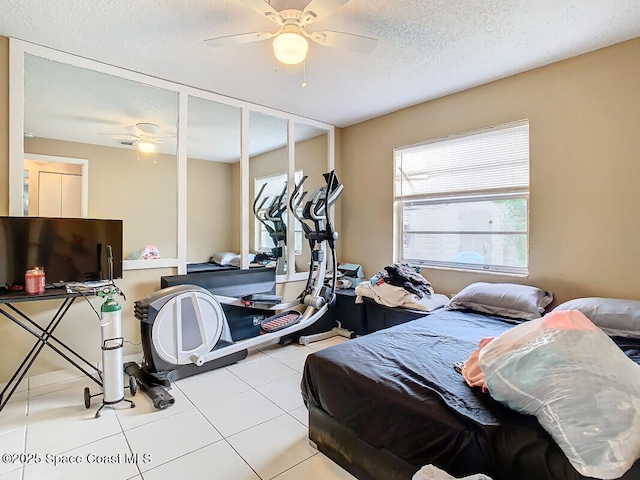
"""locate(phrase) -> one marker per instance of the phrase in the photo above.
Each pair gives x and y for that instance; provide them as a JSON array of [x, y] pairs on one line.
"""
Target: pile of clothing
[[401, 285]]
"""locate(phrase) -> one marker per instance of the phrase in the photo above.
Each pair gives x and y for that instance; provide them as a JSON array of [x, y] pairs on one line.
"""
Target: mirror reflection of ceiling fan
[[143, 136], [290, 40]]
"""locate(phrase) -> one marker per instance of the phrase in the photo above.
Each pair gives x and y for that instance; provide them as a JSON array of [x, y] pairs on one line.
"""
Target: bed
[[208, 267], [386, 404]]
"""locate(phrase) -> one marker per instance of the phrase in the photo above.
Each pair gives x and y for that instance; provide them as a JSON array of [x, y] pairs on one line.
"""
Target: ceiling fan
[[143, 136], [290, 43]]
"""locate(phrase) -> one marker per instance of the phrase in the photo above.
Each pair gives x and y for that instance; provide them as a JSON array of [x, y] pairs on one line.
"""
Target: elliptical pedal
[[153, 386], [280, 321]]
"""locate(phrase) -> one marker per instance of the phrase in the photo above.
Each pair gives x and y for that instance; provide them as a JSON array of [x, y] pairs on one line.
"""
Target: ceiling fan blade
[[239, 39], [147, 128], [133, 129], [319, 9], [347, 41], [264, 9], [124, 136]]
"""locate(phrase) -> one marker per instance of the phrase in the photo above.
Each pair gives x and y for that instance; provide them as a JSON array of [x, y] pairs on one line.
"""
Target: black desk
[[9, 308]]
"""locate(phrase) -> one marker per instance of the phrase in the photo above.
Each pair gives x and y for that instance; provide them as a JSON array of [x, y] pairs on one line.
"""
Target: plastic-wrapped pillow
[[616, 317], [581, 387]]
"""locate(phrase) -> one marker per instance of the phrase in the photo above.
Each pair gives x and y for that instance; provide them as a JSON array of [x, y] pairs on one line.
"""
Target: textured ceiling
[[426, 48]]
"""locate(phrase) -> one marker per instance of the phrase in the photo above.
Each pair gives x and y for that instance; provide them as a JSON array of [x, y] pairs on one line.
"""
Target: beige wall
[[236, 222], [211, 210], [584, 143]]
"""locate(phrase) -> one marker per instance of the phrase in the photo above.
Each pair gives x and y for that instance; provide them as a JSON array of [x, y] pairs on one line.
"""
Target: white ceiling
[[426, 48]]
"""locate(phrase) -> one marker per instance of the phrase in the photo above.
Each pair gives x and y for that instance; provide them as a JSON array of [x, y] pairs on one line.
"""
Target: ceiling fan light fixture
[[290, 48], [145, 146]]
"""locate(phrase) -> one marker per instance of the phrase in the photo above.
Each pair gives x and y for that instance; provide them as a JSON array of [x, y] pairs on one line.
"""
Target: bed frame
[[363, 461]]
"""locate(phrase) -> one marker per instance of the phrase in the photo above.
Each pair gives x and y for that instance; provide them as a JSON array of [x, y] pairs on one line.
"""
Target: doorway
[[55, 186]]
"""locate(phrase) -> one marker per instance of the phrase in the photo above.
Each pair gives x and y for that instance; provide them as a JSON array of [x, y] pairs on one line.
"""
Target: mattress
[[207, 267], [397, 391]]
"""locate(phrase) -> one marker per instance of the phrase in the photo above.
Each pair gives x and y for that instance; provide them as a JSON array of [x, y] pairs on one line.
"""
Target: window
[[463, 201]]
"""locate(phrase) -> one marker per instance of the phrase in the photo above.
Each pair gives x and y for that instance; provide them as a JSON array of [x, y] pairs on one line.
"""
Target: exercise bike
[[189, 325]]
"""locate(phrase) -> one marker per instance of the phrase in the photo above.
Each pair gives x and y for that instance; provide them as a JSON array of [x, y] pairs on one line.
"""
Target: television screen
[[69, 249]]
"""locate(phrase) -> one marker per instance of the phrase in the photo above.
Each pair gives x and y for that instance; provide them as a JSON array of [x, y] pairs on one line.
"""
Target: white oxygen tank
[[112, 344]]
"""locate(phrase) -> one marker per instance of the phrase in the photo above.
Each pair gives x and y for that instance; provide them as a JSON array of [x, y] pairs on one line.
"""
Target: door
[[55, 186], [59, 195]]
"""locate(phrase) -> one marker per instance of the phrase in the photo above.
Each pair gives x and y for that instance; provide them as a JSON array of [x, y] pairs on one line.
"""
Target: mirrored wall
[[311, 146], [72, 112], [213, 184], [268, 175], [189, 172]]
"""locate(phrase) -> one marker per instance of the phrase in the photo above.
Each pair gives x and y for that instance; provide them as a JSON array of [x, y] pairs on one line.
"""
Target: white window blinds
[[490, 160]]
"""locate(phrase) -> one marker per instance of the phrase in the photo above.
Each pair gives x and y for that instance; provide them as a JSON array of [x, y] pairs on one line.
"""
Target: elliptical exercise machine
[[278, 230], [189, 326]]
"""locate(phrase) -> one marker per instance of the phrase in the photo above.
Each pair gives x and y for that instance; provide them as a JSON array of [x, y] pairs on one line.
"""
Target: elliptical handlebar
[[255, 202], [333, 191], [277, 207], [295, 201], [271, 218], [256, 208], [316, 209], [315, 220]]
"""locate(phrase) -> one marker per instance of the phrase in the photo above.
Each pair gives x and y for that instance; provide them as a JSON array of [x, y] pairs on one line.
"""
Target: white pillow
[[235, 261], [616, 317], [222, 258], [504, 299]]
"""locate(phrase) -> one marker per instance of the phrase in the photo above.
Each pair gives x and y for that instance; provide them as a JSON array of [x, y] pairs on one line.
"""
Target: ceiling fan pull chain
[[304, 74]]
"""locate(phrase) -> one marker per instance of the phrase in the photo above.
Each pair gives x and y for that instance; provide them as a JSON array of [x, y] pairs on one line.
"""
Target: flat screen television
[[69, 249]]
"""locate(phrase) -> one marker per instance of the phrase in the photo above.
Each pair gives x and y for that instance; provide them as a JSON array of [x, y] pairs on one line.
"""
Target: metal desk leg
[[45, 338]]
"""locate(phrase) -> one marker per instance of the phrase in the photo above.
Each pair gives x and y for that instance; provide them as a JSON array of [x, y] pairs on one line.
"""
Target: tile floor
[[245, 421]]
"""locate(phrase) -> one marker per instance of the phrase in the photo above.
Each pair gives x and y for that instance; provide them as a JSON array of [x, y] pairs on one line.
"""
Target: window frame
[[442, 198]]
